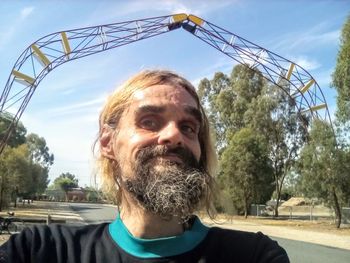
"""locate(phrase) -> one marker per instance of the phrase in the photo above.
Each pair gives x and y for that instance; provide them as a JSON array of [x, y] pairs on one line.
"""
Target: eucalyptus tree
[[324, 169], [231, 102]]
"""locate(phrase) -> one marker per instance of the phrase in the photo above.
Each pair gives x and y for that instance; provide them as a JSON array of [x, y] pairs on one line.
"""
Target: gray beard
[[166, 188]]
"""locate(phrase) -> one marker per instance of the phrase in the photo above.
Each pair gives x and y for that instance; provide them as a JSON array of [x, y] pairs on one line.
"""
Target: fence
[[305, 212]]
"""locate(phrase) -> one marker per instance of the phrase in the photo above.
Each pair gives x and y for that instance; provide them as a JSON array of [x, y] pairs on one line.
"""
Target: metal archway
[[52, 50]]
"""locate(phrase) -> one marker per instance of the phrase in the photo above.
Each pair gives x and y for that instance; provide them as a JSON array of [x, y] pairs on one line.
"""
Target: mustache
[[149, 152]]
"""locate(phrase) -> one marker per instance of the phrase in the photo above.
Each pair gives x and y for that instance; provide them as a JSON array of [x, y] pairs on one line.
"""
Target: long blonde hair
[[116, 104]]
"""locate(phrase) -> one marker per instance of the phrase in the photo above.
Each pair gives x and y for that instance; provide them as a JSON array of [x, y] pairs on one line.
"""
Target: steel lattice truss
[[57, 48]]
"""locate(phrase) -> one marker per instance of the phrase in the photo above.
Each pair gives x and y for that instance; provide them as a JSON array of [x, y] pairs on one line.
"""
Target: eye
[[149, 123], [189, 129]]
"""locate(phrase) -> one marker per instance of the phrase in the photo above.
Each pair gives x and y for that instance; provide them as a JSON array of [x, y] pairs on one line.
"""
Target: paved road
[[298, 251], [94, 213]]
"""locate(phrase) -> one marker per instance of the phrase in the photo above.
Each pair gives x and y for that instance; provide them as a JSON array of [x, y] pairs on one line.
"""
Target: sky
[[65, 107]]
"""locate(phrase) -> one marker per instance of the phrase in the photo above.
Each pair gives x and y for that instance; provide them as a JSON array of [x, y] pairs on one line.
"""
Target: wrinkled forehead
[[164, 94]]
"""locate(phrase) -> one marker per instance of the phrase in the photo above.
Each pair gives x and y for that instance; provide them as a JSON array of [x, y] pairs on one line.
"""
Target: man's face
[[158, 115], [158, 150]]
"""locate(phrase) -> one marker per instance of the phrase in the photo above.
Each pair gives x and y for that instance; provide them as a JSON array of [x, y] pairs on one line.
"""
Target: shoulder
[[58, 231], [46, 242], [246, 245], [236, 235]]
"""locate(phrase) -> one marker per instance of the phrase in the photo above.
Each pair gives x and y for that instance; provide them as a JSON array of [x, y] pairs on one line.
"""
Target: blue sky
[[66, 104]]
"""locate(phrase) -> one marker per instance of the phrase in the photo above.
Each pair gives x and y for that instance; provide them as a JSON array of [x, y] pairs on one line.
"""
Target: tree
[[227, 99], [286, 135], [41, 160], [26, 161], [324, 168], [66, 181], [231, 103], [247, 170], [341, 75], [40, 152], [209, 92], [17, 137], [246, 100], [15, 173], [93, 194]]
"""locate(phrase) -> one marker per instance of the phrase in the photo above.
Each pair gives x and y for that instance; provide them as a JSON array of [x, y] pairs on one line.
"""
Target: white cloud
[[69, 91], [77, 74], [306, 40], [8, 33], [223, 64], [79, 106], [306, 63], [189, 7], [324, 78], [166, 7], [312, 40], [25, 12]]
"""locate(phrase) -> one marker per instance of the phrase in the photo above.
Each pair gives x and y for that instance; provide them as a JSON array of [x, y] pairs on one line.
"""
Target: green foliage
[[246, 102], [14, 173], [66, 181], [247, 171], [208, 92], [286, 135], [93, 194], [341, 75], [227, 99], [325, 168], [239, 110], [24, 163], [18, 136], [39, 150]]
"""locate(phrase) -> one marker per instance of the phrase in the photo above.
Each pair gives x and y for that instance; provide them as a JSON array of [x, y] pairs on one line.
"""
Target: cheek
[[135, 138], [137, 141]]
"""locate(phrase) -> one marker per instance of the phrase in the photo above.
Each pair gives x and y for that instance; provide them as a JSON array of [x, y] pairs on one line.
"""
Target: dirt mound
[[294, 201]]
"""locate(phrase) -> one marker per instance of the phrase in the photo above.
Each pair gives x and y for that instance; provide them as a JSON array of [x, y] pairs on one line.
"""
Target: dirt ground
[[4, 238], [322, 226], [317, 232]]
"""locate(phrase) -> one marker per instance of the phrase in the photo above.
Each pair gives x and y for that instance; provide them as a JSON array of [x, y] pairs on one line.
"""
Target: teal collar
[[158, 247]]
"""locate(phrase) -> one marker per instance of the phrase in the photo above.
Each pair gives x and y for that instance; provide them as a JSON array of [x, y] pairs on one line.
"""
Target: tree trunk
[[336, 209], [16, 194], [245, 208], [278, 193], [1, 194]]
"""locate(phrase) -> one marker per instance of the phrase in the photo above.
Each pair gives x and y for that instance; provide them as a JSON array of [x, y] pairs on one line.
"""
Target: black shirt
[[101, 243]]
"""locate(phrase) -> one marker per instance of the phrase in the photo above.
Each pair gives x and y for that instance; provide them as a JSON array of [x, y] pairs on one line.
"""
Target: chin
[[160, 166]]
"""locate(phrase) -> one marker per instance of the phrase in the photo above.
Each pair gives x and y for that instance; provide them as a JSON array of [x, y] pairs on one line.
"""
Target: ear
[[106, 142]]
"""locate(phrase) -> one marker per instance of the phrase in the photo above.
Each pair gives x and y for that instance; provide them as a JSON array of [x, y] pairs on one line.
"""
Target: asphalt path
[[298, 251], [94, 213]]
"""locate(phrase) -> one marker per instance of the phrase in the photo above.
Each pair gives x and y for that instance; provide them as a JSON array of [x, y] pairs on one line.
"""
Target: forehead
[[164, 95]]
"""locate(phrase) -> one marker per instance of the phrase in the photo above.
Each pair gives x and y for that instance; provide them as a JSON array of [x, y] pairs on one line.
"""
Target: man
[[157, 159]]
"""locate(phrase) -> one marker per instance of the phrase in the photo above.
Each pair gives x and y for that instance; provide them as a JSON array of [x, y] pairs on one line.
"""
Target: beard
[[167, 188]]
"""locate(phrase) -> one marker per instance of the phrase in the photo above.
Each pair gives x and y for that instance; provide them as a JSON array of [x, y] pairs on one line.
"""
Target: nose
[[170, 135]]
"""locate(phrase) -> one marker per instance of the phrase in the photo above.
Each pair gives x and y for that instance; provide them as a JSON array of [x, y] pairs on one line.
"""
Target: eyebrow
[[150, 109], [194, 112]]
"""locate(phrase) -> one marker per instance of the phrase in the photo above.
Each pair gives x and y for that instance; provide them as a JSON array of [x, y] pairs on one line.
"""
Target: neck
[[143, 224]]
